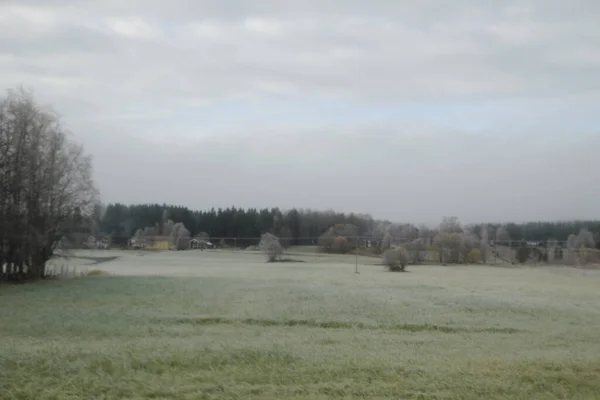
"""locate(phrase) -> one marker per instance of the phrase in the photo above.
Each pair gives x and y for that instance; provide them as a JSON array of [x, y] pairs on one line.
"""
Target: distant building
[[150, 243], [201, 244]]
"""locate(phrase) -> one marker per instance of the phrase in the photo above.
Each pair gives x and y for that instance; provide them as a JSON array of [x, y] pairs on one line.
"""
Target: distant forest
[[297, 226]]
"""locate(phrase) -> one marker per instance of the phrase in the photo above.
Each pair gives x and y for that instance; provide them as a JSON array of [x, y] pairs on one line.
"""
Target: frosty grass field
[[227, 325]]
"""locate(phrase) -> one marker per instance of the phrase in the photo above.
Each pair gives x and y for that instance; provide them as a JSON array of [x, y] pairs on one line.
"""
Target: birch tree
[[44, 177]]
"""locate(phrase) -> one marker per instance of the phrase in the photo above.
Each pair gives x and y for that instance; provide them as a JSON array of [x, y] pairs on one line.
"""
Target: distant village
[[169, 243]]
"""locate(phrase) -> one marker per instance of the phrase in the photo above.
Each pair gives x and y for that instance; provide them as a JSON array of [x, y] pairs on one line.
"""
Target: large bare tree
[[44, 177]]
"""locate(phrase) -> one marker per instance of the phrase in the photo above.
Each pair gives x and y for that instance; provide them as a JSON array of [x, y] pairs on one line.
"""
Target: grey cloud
[[348, 54], [127, 77]]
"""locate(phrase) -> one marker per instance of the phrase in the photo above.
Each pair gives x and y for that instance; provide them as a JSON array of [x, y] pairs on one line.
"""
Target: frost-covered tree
[[551, 249], [168, 227], [450, 225], [180, 236], [502, 236], [396, 259], [269, 244]]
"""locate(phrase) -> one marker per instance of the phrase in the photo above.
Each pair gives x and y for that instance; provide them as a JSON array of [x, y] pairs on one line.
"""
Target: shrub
[[340, 245], [474, 256], [523, 253], [395, 259], [270, 245]]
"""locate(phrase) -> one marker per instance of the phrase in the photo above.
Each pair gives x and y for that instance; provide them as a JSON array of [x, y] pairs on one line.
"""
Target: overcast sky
[[487, 110]]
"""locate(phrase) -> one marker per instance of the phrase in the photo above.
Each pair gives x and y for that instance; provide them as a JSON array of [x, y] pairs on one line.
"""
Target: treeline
[[541, 231], [299, 226], [295, 227]]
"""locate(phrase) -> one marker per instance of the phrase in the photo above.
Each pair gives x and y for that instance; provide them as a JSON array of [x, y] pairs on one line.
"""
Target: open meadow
[[228, 325]]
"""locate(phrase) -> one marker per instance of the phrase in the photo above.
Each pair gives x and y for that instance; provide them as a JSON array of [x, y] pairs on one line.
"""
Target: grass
[[219, 325]]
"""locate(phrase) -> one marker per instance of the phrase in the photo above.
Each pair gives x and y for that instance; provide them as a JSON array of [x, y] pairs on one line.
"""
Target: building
[[158, 243], [200, 244], [150, 243]]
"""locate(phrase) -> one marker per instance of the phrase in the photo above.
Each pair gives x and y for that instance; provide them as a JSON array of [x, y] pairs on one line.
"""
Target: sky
[[410, 111]]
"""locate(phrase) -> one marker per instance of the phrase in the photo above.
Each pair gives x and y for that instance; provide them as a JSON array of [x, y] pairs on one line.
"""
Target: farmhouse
[[150, 243], [200, 244], [163, 243]]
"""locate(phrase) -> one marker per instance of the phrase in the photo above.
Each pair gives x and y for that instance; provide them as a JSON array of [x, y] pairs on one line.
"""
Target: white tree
[[578, 246], [395, 259], [180, 236], [270, 245], [551, 249], [168, 227]]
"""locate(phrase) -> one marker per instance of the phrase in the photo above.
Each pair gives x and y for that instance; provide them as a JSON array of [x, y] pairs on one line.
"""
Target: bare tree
[[551, 250], [378, 233], [484, 243], [579, 246], [450, 225], [44, 177], [168, 227], [386, 243], [502, 236]]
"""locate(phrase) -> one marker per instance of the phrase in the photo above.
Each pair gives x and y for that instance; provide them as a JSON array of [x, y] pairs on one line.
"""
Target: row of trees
[[455, 244], [302, 227], [451, 243], [45, 179], [293, 227]]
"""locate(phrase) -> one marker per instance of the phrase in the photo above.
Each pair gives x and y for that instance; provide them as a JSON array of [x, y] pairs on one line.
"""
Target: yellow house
[[158, 244], [151, 243]]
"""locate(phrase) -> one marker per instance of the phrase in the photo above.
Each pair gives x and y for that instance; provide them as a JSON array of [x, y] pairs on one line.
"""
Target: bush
[[270, 245], [474, 256], [395, 259], [523, 253]]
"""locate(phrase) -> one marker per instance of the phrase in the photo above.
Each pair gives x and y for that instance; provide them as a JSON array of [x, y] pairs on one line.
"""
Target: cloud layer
[[407, 110]]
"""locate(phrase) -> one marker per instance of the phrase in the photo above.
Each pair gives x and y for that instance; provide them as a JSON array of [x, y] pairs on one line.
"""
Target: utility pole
[[356, 258]]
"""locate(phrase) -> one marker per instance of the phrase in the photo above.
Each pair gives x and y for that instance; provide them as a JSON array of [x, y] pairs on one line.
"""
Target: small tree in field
[[180, 236], [270, 245], [395, 259]]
